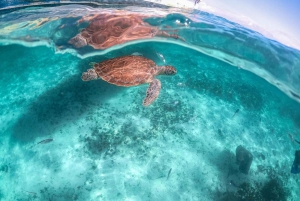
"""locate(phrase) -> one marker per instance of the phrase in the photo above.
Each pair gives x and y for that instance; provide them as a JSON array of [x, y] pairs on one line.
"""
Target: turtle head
[[168, 70], [89, 75], [78, 41]]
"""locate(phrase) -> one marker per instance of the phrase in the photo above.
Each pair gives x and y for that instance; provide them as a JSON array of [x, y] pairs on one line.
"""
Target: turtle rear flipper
[[152, 92], [89, 75]]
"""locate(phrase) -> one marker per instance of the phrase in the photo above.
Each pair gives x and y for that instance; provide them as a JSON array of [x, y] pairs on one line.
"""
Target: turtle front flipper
[[89, 75], [152, 92]]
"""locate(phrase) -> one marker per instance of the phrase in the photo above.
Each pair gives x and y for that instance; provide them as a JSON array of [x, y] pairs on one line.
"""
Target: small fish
[[235, 112], [62, 26], [161, 57], [33, 193], [293, 139], [137, 54], [193, 118], [45, 141], [169, 173], [181, 84]]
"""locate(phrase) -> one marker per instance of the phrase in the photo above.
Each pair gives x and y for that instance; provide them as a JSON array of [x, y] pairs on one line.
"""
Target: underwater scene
[[145, 102]]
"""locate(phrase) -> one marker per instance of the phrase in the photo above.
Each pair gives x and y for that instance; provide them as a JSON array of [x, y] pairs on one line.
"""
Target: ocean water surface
[[233, 87]]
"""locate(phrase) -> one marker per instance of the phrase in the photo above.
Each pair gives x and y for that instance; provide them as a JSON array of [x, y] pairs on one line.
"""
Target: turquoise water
[[107, 146]]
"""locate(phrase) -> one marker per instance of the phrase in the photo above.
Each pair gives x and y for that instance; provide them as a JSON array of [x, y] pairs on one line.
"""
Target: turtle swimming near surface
[[130, 71]]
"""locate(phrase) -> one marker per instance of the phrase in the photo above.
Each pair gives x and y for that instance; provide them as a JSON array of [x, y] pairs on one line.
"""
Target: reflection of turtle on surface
[[130, 71], [107, 30]]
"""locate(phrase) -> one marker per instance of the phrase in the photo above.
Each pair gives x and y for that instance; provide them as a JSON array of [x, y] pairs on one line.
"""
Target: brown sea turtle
[[107, 30], [130, 71]]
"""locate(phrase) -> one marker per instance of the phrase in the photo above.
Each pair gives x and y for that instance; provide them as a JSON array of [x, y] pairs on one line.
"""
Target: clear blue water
[[107, 146]]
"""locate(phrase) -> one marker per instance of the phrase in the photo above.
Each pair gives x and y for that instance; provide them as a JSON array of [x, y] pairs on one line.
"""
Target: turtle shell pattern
[[107, 30], [126, 71]]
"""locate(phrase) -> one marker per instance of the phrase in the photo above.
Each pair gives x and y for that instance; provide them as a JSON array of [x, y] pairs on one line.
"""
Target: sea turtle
[[107, 30], [130, 71]]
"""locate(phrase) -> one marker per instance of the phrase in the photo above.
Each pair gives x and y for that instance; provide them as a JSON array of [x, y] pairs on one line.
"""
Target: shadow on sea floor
[[60, 105]]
